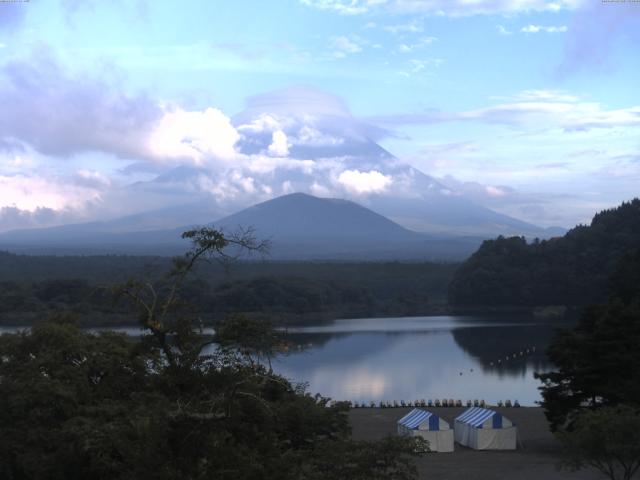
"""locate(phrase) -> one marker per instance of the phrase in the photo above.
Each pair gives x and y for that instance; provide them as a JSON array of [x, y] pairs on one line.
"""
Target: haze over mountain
[[298, 226], [299, 139], [304, 140]]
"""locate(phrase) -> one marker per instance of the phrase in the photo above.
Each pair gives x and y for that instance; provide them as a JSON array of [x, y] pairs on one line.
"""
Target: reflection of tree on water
[[502, 350], [362, 344]]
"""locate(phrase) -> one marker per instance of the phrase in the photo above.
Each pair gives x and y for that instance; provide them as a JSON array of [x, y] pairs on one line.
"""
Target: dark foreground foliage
[[598, 361], [78, 405], [607, 440], [592, 400]]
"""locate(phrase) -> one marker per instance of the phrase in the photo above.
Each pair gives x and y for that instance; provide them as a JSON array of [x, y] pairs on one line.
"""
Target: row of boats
[[431, 403]]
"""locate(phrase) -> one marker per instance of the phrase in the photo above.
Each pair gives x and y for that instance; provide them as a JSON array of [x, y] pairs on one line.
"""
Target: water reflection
[[412, 358], [420, 357]]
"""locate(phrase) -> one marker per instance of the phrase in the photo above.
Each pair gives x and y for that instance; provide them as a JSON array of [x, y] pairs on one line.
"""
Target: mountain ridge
[[300, 226]]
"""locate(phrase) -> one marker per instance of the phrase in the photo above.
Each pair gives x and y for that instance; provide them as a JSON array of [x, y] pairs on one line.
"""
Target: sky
[[529, 107]]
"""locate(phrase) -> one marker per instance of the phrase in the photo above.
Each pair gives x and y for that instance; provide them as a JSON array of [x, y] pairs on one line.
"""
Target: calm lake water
[[410, 358], [413, 358]]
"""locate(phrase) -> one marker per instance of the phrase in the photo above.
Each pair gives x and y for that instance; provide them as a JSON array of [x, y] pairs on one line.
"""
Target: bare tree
[[159, 308]]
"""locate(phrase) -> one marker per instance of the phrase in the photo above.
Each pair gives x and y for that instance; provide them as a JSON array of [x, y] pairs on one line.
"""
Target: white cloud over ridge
[[279, 145], [359, 182], [198, 136]]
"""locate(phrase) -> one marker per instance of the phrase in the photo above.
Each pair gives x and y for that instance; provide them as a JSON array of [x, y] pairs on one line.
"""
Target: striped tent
[[484, 429], [428, 426]]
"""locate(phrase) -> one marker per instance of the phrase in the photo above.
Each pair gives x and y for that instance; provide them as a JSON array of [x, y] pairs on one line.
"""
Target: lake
[[411, 358]]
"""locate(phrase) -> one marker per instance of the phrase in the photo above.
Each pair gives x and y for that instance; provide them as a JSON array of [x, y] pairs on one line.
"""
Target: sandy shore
[[535, 459]]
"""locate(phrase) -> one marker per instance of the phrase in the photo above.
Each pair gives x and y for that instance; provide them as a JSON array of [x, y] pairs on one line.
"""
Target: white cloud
[[343, 46], [30, 192], [359, 182], [413, 26], [549, 108], [422, 42], [287, 187], [279, 146], [311, 136], [502, 30], [57, 113], [262, 123], [320, 190], [455, 8], [345, 7], [541, 95], [541, 28], [196, 136], [495, 191], [418, 65]]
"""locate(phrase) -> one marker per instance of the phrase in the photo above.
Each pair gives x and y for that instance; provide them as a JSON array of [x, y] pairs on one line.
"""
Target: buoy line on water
[[514, 356], [426, 403]]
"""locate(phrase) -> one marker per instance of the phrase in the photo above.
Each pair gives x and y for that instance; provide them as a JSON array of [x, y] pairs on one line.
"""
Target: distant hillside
[[305, 227], [300, 227], [570, 270], [300, 216]]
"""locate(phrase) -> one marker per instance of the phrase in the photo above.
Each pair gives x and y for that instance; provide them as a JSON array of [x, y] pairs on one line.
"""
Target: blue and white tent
[[484, 429], [428, 426]]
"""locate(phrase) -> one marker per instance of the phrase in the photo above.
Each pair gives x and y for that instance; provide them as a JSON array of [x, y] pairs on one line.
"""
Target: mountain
[[325, 151], [418, 201], [569, 270], [299, 226], [299, 216], [306, 227]]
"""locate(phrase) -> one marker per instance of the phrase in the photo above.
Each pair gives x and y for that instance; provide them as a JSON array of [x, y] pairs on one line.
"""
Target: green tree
[[598, 361], [607, 440]]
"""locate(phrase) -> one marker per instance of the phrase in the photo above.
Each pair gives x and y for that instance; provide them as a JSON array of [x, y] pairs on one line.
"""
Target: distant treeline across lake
[[32, 287]]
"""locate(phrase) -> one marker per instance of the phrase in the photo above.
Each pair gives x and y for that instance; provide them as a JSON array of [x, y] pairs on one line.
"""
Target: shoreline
[[106, 320]]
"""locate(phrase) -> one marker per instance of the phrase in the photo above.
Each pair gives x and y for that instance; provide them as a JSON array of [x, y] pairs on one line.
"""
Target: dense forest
[[33, 288], [570, 270]]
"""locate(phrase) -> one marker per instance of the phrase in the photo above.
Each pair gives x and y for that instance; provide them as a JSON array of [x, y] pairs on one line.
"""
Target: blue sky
[[529, 106]]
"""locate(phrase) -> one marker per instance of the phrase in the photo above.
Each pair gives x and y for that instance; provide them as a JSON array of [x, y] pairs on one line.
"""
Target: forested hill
[[569, 270]]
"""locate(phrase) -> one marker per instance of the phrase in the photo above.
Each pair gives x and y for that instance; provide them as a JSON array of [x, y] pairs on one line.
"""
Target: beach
[[536, 458]]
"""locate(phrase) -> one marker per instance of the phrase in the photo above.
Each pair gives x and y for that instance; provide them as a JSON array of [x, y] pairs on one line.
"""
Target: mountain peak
[[299, 215]]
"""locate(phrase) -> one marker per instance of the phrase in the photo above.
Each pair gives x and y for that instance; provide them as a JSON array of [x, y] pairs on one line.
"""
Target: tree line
[[592, 398], [571, 270], [289, 292]]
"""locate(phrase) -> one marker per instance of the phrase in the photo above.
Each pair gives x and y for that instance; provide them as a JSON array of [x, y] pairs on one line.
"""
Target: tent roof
[[476, 416], [415, 418]]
